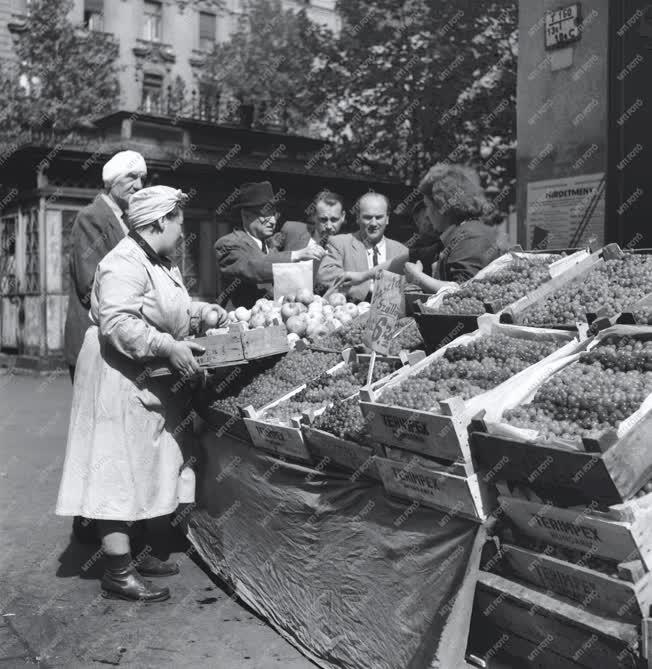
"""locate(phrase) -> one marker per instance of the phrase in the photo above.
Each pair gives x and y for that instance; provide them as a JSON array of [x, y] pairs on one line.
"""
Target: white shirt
[[382, 256], [117, 211]]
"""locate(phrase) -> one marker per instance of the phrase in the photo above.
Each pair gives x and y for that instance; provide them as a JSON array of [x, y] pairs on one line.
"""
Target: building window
[[153, 20], [94, 15], [8, 285], [207, 30], [152, 92]]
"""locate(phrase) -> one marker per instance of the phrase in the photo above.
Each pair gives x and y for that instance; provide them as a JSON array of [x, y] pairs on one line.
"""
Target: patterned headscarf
[[151, 204]]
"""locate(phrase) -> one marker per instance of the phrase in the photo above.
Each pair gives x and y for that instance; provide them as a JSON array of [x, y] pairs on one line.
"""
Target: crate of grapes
[[448, 487], [603, 285], [427, 408], [454, 311], [259, 383], [621, 591], [277, 426], [532, 628], [581, 431]]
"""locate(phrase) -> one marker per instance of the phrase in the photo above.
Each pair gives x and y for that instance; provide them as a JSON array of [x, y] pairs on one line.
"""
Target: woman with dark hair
[[126, 456], [456, 207]]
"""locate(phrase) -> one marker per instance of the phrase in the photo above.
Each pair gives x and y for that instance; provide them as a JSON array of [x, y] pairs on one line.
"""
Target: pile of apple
[[304, 314]]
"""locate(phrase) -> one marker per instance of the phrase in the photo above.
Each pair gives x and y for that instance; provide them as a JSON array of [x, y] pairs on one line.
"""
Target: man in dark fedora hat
[[243, 256]]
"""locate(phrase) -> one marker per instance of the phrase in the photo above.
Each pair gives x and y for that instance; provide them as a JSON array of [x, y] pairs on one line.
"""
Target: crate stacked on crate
[[422, 414], [454, 311], [609, 282], [573, 463], [277, 426]]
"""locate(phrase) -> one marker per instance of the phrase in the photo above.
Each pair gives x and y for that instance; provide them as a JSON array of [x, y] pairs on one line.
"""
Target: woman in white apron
[[125, 457]]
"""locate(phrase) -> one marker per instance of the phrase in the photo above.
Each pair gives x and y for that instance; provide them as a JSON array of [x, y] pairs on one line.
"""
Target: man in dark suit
[[359, 253], [96, 230], [244, 257]]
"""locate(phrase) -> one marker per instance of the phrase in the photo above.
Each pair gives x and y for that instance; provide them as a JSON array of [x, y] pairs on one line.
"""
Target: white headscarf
[[124, 162], [150, 204]]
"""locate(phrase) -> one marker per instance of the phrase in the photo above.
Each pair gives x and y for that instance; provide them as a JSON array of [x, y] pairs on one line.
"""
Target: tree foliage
[[61, 75], [415, 82], [268, 60]]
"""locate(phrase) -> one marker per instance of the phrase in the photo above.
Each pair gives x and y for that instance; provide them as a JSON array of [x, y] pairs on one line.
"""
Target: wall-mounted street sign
[[563, 26]]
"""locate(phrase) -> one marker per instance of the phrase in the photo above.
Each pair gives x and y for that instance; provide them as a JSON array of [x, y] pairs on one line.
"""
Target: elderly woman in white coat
[[125, 456]]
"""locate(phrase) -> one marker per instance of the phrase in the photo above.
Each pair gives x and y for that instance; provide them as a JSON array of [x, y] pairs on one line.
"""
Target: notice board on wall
[[570, 209]]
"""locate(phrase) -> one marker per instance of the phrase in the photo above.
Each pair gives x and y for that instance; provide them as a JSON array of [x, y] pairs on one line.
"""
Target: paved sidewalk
[[52, 616]]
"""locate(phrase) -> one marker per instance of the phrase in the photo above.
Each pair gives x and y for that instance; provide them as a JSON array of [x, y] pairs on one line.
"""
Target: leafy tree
[[61, 75], [268, 61]]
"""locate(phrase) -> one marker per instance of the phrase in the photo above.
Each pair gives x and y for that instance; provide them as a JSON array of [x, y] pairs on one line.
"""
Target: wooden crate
[[618, 534], [344, 454], [261, 342], [609, 470], [437, 488], [553, 627], [600, 593], [441, 432]]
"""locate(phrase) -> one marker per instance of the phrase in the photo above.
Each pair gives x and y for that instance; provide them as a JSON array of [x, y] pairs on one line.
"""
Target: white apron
[[125, 451]]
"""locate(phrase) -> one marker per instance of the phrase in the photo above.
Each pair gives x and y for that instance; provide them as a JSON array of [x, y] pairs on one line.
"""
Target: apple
[[363, 307], [232, 317], [351, 309], [337, 323], [288, 310], [296, 325], [257, 321], [293, 338], [289, 299], [242, 314], [328, 310], [344, 318], [301, 308], [305, 295], [336, 299]]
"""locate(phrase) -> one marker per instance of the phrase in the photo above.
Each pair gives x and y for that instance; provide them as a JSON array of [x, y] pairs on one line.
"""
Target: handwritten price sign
[[386, 308]]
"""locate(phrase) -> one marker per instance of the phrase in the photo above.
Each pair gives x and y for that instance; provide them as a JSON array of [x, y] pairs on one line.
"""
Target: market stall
[[346, 496]]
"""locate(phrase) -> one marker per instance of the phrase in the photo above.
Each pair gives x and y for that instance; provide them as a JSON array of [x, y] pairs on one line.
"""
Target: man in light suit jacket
[[361, 251], [244, 257]]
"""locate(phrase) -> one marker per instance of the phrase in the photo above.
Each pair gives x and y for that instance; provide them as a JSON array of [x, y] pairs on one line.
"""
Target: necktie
[[265, 251], [375, 256]]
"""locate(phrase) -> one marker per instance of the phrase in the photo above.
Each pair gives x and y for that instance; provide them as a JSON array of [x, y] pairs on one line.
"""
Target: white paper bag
[[290, 277]]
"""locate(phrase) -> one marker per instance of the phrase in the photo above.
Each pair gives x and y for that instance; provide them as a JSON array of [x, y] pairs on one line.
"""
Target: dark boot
[[148, 564], [122, 581], [85, 530]]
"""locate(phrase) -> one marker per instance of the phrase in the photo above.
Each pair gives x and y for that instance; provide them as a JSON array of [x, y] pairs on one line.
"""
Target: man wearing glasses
[[244, 258]]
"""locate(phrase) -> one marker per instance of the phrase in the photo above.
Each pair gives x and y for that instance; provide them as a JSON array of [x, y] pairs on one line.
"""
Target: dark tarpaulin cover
[[350, 576]]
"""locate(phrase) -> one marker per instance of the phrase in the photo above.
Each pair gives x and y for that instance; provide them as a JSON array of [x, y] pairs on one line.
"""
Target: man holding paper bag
[[244, 258]]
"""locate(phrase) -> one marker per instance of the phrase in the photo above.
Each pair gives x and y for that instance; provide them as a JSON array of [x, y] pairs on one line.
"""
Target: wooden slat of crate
[[226, 423], [278, 439], [346, 454], [420, 431], [261, 342], [553, 624], [463, 496], [604, 595], [405, 456], [220, 348], [615, 540]]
